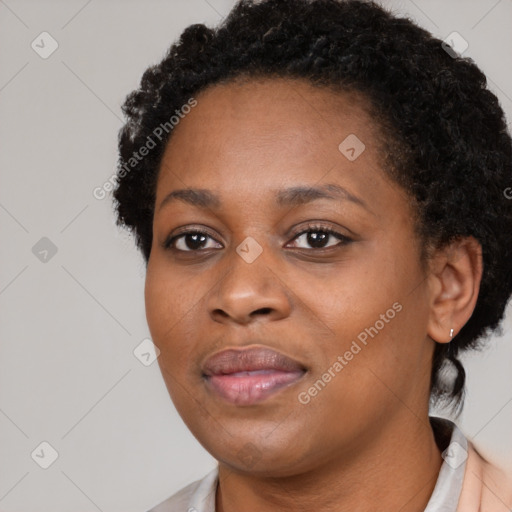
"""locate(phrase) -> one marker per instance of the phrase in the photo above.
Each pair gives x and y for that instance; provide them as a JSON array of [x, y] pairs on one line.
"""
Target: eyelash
[[313, 228]]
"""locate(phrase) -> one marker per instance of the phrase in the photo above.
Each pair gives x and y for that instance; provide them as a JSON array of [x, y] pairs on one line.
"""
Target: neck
[[397, 470]]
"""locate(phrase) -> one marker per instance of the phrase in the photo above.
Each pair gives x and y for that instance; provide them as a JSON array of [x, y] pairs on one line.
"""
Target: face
[[328, 276]]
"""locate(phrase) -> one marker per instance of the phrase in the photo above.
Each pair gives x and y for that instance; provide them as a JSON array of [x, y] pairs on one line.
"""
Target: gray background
[[69, 324]]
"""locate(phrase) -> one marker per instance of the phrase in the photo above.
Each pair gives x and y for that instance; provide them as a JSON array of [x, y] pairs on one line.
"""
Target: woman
[[317, 188]]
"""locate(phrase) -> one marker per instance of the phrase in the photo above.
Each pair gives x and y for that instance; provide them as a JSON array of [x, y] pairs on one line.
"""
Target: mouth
[[250, 376]]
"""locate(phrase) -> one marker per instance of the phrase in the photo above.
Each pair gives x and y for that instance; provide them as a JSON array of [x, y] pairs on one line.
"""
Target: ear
[[454, 283]]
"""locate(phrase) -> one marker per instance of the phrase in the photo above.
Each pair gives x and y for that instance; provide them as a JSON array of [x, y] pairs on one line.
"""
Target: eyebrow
[[289, 197]]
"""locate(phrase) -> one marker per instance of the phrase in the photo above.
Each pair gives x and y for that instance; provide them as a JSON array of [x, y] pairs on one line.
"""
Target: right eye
[[192, 240]]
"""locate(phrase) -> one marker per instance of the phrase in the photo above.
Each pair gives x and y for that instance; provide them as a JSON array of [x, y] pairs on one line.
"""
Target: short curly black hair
[[455, 153]]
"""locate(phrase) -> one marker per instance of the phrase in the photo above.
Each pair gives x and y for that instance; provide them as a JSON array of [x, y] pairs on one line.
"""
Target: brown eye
[[318, 237], [190, 241]]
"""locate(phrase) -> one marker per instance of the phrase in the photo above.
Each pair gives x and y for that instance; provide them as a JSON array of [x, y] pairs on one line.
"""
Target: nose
[[250, 292]]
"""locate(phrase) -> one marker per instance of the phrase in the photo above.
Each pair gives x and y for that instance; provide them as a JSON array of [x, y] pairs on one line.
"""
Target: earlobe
[[455, 282]]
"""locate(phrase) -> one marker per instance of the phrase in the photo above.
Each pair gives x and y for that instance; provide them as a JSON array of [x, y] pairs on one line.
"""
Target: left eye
[[320, 238]]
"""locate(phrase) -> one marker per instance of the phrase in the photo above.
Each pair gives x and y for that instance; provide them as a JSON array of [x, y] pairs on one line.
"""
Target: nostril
[[262, 311]]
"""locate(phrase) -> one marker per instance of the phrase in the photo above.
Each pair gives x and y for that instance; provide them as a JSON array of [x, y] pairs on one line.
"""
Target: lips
[[251, 375]]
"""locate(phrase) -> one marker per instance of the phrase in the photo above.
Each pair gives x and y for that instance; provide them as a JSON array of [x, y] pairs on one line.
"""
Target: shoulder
[[178, 501], [199, 493], [486, 487]]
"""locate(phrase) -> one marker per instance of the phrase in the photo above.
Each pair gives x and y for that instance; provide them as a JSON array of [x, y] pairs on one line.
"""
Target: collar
[[454, 448]]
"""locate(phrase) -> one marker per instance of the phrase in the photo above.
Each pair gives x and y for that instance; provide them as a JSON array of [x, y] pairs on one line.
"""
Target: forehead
[[253, 136], [267, 110]]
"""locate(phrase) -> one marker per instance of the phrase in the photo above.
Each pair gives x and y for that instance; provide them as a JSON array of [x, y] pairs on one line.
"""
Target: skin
[[368, 427]]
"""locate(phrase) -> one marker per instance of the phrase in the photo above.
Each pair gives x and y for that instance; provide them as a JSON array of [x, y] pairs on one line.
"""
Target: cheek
[[167, 310], [158, 303], [354, 296], [377, 317], [169, 297]]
